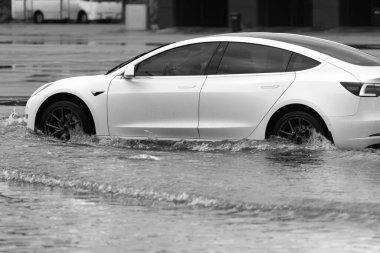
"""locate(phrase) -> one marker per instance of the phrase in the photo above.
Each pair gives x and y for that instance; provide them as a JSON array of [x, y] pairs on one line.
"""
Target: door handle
[[187, 86], [270, 86]]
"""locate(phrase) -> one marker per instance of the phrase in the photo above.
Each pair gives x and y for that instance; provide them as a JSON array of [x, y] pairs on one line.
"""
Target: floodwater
[[115, 195]]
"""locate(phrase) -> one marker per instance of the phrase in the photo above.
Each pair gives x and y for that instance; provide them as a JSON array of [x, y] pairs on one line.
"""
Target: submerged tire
[[82, 17], [62, 118], [297, 126], [38, 17]]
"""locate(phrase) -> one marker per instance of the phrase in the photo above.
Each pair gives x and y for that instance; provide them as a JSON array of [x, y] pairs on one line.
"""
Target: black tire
[[38, 17], [63, 117], [297, 126], [82, 17]]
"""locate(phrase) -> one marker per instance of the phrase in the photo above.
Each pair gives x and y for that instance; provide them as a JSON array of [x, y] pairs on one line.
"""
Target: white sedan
[[230, 86]]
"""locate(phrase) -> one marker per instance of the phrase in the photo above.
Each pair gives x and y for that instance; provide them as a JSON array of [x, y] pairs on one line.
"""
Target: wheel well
[[65, 97], [36, 13], [296, 107], [80, 13]]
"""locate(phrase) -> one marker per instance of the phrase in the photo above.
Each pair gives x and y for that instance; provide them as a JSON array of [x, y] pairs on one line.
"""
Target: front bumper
[[31, 110]]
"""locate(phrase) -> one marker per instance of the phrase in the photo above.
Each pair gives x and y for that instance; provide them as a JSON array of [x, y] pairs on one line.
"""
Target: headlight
[[41, 89]]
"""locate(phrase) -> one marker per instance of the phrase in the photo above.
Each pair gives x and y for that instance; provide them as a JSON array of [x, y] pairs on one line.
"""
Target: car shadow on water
[[296, 158]]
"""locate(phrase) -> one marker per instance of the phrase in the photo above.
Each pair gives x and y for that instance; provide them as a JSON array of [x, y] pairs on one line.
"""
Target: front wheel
[[62, 118], [297, 126]]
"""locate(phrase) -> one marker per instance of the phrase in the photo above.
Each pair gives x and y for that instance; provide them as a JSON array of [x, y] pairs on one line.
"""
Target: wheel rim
[[60, 122], [39, 18], [296, 129], [83, 18]]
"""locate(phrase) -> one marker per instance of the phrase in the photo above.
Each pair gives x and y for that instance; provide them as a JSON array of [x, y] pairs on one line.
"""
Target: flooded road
[[114, 195]]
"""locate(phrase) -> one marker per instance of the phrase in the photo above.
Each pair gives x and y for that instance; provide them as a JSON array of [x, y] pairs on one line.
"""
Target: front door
[[163, 99]]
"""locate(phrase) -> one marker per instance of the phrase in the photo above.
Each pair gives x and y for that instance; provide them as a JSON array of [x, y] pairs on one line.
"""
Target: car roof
[[333, 49]]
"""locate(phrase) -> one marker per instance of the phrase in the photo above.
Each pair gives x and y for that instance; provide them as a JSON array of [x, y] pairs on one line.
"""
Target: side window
[[299, 62], [181, 61], [244, 58]]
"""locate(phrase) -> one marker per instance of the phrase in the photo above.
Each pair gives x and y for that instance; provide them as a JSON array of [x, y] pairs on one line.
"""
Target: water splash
[[13, 123], [316, 142], [14, 119], [145, 157], [312, 209]]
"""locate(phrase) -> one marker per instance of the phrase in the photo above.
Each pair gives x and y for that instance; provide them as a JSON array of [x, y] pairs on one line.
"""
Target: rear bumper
[[360, 130]]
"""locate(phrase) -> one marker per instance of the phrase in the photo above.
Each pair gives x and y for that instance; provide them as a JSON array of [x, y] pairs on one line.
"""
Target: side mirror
[[129, 72]]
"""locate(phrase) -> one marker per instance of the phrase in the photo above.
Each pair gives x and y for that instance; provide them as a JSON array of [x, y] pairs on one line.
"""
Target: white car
[[229, 86]]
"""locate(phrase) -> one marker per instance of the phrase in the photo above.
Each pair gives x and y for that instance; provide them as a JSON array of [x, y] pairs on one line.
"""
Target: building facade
[[5, 11], [319, 14]]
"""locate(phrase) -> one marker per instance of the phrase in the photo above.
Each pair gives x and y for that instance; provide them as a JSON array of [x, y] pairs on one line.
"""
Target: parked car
[[230, 86], [81, 11]]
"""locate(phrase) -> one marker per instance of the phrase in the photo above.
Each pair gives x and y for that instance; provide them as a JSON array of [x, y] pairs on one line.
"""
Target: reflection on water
[[296, 158], [117, 195]]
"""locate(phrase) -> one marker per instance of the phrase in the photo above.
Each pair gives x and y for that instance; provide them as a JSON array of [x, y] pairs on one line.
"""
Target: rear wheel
[[63, 118], [297, 126], [82, 17], [38, 17]]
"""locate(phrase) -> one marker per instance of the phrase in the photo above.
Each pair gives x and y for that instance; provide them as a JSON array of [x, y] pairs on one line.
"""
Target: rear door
[[249, 80]]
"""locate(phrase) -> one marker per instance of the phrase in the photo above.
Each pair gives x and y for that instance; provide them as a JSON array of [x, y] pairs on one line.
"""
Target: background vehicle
[[81, 11]]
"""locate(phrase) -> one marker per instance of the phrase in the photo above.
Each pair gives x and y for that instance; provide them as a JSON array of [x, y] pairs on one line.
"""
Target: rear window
[[330, 48], [299, 62]]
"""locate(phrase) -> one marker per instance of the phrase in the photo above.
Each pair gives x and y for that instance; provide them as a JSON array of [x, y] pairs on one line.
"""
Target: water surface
[[115, 195]]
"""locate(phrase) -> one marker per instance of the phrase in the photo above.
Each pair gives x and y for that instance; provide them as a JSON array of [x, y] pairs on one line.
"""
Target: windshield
[[132, 59]]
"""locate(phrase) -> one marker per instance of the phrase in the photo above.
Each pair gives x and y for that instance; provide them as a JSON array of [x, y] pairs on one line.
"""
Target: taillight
[[370, 90], [362, 89], [354, 88]]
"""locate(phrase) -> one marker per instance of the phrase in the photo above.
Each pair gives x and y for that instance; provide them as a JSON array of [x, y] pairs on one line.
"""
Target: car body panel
[[155, 106], [82, 87], [360, 130], [324, 90], [229, 104]]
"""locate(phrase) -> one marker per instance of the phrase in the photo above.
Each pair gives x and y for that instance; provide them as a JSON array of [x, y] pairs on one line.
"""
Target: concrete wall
[[325, 14], [5, 11], [165, 13], [248, 9]]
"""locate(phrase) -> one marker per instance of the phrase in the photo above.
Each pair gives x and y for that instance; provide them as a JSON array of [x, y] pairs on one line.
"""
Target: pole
[[24, 10], [60, 11]]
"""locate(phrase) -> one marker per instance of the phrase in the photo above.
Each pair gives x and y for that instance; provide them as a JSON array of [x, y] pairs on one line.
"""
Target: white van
[[81, 11]]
